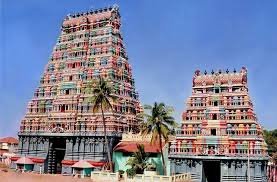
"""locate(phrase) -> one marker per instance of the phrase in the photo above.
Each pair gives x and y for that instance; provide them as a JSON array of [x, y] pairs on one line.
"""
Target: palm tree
[[101, 99], [160, 124], [139, 160]]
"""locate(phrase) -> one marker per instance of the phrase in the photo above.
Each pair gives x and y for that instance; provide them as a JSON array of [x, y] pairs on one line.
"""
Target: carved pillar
[[41, 147], [36, 145], [238, 170], [180, 166], [199, 167], [76, 145], [87, 148], [75, 149], [244, 170], [29, 144], [192, 166], [224, 168], [68, 151], [82, 148], [258, 169], [20, 145], [25, 145], [187, 166], [92, 147], [97, 148], [233, 168], [67, 144], [46, 145]]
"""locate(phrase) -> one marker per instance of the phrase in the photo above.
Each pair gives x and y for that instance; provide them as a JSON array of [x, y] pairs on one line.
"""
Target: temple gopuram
[[59, 127], [220, 138]]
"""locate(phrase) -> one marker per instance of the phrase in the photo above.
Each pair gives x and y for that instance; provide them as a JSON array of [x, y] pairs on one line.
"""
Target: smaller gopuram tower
[[220, 138]]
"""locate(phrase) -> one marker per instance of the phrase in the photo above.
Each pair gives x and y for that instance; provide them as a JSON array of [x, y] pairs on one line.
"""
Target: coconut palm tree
[[101, 100], [160, 124]]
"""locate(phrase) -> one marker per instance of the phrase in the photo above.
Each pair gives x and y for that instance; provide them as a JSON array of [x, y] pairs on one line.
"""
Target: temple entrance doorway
[[56, 155], [211, 171]]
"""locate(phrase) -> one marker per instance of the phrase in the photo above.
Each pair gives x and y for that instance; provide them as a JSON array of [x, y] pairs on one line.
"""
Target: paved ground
[[29, 177], [7, 175]]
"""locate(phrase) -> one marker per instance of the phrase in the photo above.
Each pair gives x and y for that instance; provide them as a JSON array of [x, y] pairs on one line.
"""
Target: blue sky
[[166, 42]]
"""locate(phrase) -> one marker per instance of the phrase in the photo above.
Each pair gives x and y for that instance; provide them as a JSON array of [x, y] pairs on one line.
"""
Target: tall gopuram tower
[[59, 127], [220, 138]]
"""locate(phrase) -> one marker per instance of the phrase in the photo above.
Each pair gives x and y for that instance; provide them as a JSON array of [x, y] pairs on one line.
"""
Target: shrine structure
[[59, 127], [220, 138]]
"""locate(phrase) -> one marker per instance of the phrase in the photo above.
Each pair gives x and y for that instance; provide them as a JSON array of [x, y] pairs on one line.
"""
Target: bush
[[121, 171], [131, 173], [151, 167]]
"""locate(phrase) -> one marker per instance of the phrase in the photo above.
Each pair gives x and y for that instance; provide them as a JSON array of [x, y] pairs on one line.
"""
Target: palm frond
[[169, 110], [102, 95], [158, 121]]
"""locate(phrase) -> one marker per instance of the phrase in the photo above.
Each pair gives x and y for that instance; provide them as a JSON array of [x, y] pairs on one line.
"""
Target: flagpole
[[248, 162]]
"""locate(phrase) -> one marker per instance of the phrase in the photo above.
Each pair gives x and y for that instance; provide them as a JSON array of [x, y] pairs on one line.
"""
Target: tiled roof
[[132, 147], [82, 164], [9, 140], [24, 160], [35, 160], [93, 163]]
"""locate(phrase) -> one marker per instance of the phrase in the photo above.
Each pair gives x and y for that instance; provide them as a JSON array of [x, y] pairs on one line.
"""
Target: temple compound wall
[[59, 127], [220, 138], [227, 169], [65, 149]]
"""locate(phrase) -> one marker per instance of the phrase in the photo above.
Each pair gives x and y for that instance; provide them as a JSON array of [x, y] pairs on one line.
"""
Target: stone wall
[[91, 148], [231, 170]]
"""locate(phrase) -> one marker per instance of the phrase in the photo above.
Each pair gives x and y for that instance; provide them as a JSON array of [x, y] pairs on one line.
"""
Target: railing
[[113, 177], [236, 153], [145, 178], [72, 133], [181, 178], [104, 176]]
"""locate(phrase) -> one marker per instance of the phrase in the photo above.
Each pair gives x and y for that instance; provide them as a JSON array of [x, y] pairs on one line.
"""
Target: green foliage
[[138, 161], [131, 172], [102, 95], [271, 140], [274, 157], [159, 123]]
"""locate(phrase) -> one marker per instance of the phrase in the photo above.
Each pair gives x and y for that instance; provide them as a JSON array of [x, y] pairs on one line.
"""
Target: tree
[[139, 160], [271, 140], [274, 157], [101, 100], [160, 124]]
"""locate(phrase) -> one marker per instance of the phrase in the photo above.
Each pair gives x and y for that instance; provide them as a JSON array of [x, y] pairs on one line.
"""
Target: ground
[[7, 175]]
